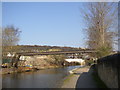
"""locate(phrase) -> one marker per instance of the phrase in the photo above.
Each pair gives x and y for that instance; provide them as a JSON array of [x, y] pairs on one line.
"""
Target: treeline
[[38, 48]]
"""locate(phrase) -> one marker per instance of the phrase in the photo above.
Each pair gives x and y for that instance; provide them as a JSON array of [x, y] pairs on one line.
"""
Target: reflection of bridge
[[55, 52]]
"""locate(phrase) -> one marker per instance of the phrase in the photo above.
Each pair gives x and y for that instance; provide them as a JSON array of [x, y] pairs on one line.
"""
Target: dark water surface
[[49, 78]]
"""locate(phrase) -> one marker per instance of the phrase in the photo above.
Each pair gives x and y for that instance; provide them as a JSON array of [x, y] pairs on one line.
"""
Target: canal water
[[48, 78]]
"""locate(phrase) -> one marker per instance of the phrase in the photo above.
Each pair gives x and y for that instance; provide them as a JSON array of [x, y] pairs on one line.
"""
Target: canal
[[48, 78]]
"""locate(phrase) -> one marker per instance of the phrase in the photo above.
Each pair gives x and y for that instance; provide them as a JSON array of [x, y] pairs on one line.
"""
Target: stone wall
[[108, 69]]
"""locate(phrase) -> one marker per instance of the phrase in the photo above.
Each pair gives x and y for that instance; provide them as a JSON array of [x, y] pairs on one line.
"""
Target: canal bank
[[24, 69], [27, 69]]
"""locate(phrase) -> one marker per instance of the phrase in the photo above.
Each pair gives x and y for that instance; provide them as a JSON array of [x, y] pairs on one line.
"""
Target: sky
[[46, 23]]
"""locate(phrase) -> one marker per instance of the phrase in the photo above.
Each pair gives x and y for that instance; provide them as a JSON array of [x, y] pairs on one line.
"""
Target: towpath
[[81, 78]]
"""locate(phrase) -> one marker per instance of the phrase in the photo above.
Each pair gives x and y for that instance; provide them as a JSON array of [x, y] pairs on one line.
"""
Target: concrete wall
[[108, 69]]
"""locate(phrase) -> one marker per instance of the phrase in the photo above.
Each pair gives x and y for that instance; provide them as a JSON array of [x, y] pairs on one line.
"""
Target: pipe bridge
[[70, 54], [55, 52]]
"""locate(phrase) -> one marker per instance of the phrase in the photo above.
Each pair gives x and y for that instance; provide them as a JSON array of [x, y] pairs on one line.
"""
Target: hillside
[[38, 48]]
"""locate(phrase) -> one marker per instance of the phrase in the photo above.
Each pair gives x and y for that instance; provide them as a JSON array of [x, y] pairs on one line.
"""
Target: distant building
[[10, 54], [81, 61], [24, 57]]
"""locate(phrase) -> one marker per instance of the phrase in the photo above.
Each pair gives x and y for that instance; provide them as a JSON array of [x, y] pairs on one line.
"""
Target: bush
[[103, 51]]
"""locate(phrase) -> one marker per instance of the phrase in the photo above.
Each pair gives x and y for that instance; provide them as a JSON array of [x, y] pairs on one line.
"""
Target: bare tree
[[10, 38], [101, 19]]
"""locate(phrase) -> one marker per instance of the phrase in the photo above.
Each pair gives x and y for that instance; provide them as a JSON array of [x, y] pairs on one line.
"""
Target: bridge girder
[[54, 53]]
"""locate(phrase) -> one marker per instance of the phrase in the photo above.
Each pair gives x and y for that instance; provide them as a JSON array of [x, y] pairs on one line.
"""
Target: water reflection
[[49, 78]]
